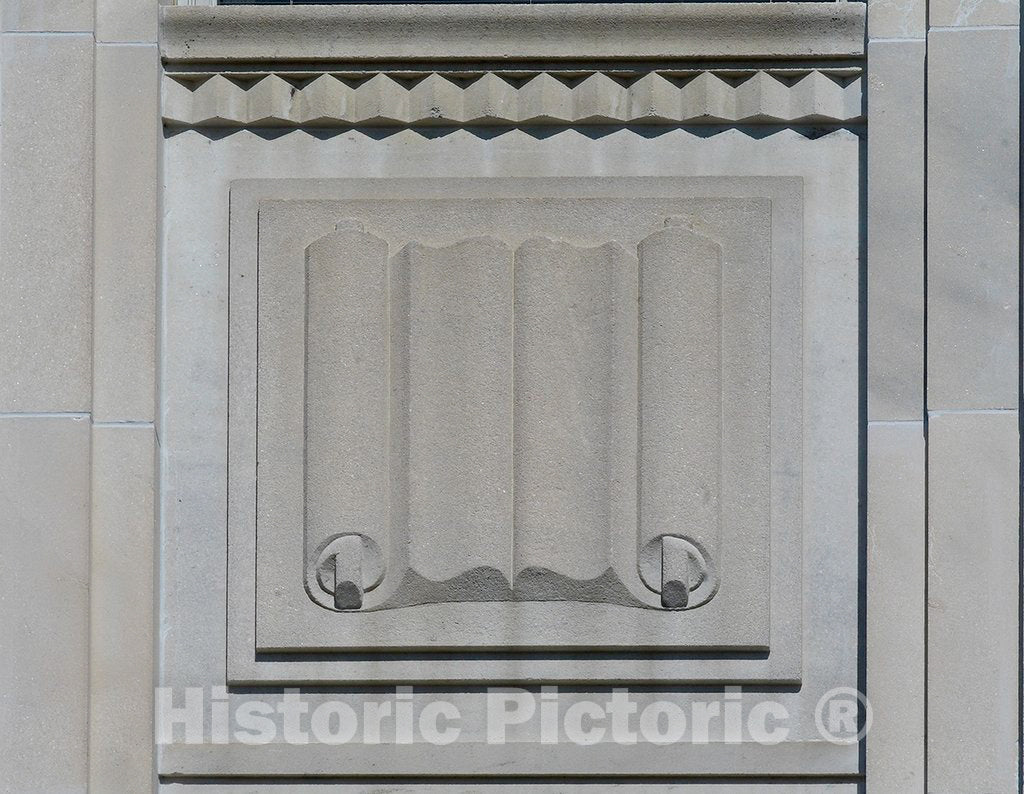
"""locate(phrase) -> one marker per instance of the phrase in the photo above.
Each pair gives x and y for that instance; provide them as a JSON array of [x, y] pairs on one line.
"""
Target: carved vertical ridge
[[325, 101], [271, 103], [574, 411], [680, 390], [708, 98], [490, 100], [435, 100], [346, 412], [654, 99], [600, 100], [381, 101], [219, 101], [399, 416], [459, 336], [546, 100]]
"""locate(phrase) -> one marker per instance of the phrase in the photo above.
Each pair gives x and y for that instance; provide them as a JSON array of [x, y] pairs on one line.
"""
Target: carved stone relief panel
[[311, 306], [513, 414], [511, 356]]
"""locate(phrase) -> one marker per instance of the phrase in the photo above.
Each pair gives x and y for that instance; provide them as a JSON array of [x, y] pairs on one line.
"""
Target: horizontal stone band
[[491, 100], [509, 32]]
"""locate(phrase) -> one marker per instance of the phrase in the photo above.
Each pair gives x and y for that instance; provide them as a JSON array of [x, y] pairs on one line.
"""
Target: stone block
[[973, 601], [47, 16], [973, 219], [120, 21], [46, 169], [895, 605], [124, 292], [973, 13], [896, 19], [44, 590], [121, 625], [896, 231]]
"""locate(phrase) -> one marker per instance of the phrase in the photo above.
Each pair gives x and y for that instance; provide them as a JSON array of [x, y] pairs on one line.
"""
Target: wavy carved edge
[[490, 99]]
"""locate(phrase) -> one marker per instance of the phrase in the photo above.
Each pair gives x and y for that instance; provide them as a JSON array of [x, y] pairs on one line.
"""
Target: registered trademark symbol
[[839, 713]]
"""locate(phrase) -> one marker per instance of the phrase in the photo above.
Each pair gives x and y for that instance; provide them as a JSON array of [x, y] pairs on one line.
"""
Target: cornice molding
[[507, 33]]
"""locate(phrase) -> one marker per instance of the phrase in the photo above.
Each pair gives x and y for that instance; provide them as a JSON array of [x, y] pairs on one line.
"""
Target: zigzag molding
[[328, 100]]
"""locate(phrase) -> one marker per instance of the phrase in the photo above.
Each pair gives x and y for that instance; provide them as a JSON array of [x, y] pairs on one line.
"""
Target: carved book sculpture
[[528, 413], [490, 424]]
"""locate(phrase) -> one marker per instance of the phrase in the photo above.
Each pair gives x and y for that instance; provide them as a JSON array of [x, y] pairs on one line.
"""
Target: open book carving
[[536, 421]]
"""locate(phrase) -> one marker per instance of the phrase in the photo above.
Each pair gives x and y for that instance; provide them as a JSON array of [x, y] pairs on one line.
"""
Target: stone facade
[[427, 357]]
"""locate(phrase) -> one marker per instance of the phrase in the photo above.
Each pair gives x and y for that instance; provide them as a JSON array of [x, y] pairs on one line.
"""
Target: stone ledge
[[511, 32]]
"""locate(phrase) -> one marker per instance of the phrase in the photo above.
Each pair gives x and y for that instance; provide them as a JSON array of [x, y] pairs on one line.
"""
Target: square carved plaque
[[488, 428]]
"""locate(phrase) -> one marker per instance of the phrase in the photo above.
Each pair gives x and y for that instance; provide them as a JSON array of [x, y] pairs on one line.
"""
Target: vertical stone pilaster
[[973, 361], [46, 201], [125, 460], [896, 532]]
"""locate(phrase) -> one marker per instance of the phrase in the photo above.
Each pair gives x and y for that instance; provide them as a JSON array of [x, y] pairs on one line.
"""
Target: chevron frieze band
[[492, 100]]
